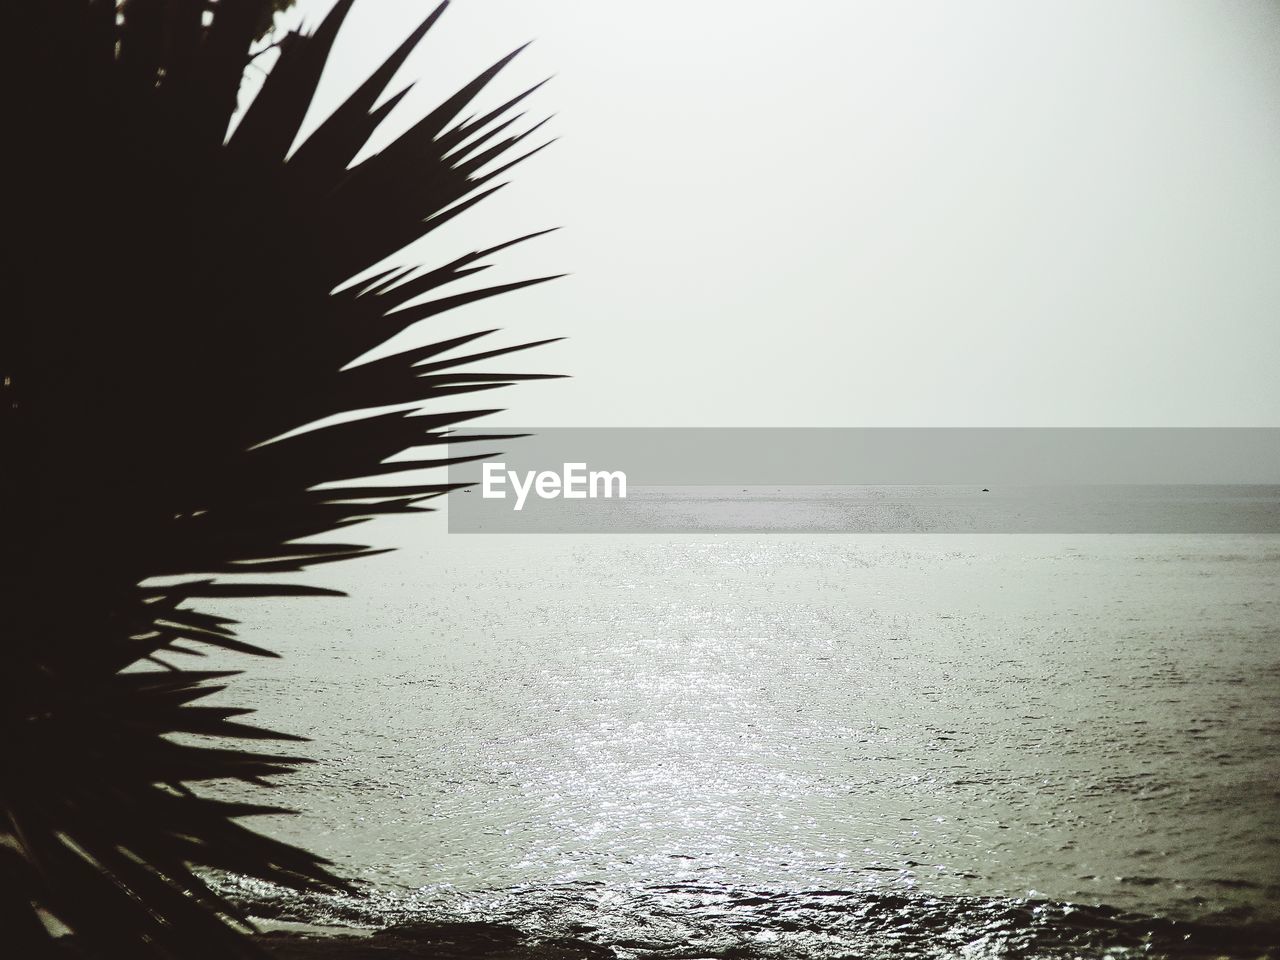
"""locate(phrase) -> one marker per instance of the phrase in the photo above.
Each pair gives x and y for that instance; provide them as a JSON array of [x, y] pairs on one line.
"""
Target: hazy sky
[[875, 214]]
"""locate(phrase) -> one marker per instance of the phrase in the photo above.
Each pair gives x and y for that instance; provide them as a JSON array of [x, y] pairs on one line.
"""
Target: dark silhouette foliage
[[178, 310]]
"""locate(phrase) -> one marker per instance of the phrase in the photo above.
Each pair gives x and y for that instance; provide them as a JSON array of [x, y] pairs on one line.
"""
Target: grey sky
[[876, 214]]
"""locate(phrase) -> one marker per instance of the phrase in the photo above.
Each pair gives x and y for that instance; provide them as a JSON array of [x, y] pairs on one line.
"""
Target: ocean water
[[896, 508], [790, 745]]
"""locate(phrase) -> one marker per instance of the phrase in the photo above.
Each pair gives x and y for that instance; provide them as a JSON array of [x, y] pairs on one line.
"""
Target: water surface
[[800, 745]]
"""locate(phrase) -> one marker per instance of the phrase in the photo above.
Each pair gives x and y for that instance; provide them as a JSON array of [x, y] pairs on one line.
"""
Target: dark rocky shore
[[411, 941], [439, 941]]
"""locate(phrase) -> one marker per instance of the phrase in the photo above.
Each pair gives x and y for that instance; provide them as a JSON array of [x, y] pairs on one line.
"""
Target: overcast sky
[[875, 214]]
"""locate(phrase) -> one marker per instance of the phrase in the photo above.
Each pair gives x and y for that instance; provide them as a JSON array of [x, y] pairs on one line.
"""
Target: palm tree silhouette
[[182, 307]]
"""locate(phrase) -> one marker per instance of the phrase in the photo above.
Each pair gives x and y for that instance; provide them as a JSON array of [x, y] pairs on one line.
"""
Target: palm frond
[[188, 313]]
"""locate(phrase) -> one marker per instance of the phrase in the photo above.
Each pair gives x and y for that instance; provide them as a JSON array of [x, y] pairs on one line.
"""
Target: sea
[[765, 744]]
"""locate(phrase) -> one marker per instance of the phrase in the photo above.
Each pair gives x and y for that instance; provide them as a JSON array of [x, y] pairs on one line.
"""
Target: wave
[[686, 920]]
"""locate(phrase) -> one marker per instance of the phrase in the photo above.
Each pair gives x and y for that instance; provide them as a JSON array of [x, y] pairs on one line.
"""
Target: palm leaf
[[187, 309]]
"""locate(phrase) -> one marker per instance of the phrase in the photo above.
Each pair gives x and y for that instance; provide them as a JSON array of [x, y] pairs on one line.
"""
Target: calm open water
[[792, 745]]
